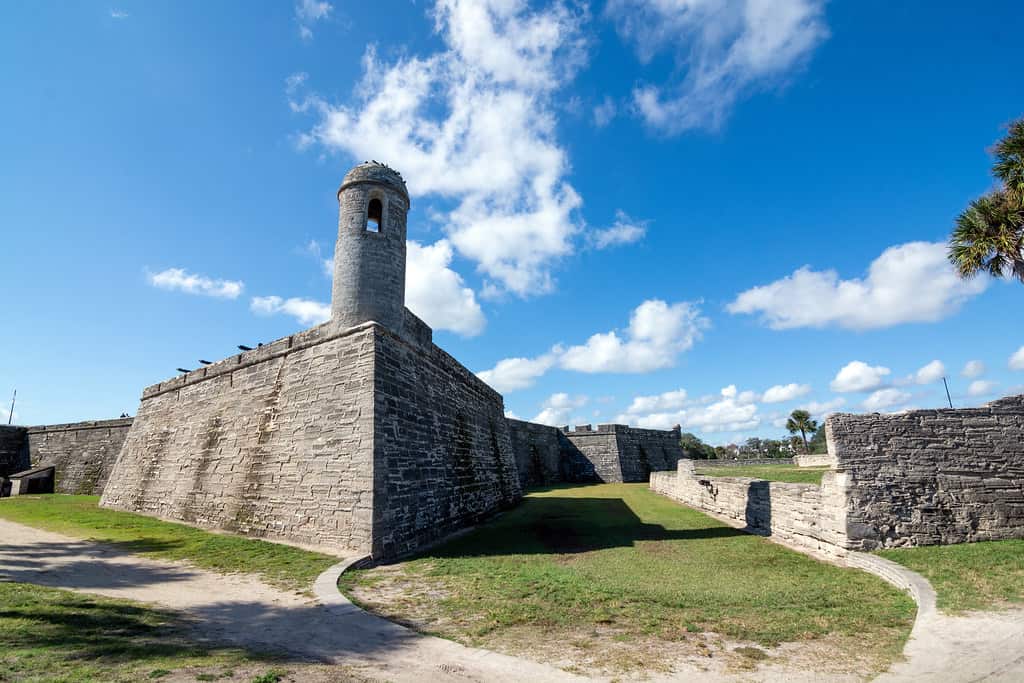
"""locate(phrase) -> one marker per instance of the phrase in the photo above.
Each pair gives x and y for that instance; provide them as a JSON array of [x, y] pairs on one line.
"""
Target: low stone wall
[[742, 463], [805, 515], [932, 476], [813, 460], [83, 453]]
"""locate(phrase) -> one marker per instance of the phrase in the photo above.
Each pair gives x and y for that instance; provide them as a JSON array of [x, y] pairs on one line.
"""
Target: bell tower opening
[[374, 216]]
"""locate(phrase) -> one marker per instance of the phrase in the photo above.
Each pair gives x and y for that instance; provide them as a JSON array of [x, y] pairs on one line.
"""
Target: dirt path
[[241, 610]]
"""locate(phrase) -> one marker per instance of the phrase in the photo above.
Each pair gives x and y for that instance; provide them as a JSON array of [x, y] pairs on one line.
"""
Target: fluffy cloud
[[859, 376], [824, 408], [885, 398], [306, 311], [732, 410], [437, 294], [658, 332], [557, 409], [912, 282], [932, 372], [625, 231], [973, 368], [517, 373], [605, 112], [474, 124], [727, 50], [785, 392], [981, 387], [1017, 359], [308, 12], [178, 279]]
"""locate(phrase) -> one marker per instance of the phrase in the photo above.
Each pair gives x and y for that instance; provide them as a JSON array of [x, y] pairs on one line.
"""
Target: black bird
[[206, 362], [244, 348], [184, 370]]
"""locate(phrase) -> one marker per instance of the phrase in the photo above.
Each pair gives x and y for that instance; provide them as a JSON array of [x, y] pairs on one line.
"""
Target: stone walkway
[[241, 610]]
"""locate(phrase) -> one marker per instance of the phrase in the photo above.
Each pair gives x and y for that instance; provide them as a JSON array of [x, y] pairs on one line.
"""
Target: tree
[[818, 444], [696, 449], [989, 234], [800, 421]]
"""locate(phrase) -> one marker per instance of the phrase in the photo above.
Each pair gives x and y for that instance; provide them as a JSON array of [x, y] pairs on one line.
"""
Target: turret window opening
[[374, 216]]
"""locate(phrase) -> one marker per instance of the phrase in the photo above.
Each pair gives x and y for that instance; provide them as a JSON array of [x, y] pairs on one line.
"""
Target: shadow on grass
[[555, 525]]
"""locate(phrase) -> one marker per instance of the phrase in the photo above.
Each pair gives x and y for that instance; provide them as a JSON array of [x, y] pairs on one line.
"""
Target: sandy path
[[241, 610]]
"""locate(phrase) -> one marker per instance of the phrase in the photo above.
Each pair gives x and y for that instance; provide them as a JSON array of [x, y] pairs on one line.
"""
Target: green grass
[[791, 474], [55, 635], [616, 563], [969, 576], [81, 517]]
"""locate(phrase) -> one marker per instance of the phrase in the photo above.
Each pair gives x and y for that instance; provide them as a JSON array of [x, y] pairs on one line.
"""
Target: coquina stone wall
[[813, 460], [932, 476], [83, 453], [610, 453], [13, 450], [276, 442], [344, 439], [728, 462], [798, 514]]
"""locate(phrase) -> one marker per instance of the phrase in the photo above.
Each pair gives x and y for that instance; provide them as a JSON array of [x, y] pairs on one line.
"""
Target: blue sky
[[637, 210]]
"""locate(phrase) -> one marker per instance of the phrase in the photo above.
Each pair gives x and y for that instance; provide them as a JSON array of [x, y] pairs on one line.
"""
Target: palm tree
[[800, 421], [989, 234]]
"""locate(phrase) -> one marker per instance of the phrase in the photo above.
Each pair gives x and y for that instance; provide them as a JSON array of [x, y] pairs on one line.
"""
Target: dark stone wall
[[610, 453], [931, 476], [443, 458], [13, 450], [83, 453]]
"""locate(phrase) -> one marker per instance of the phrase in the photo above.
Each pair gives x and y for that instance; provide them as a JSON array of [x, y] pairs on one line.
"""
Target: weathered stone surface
[[932, 476], [813, 460], [83, 453], [610, 453]]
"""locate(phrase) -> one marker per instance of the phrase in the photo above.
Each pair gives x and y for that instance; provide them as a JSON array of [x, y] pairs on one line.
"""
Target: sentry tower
[[369, 258]]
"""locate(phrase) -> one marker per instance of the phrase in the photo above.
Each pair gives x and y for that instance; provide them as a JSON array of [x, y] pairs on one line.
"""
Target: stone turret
[[369, 258]]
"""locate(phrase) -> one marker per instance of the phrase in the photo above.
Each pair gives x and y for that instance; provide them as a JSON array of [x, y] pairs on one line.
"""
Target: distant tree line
[[807, 437]]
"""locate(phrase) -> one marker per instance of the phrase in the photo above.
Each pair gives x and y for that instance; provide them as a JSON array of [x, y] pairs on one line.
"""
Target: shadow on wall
[[758, 513], [554, 525]]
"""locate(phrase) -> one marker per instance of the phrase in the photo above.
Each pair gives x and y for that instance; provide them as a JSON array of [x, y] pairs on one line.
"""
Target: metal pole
[[947, 392], [13, 399]]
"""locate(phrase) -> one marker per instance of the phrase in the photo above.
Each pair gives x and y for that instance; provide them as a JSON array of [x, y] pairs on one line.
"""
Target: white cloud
[[474, 124], [437, 294], [118, 14], [670, 400], [178, 279], [556, 410], [517, 373], [626, 230], [885, 398], [912, 282], [859, 376], [981, 387], [727, 50], [973, 368], [785, 392], [822, 409], [932, 372], [658, 332], [605, 112], [1017, 359], [308, 12], [306, 311], [731, 411]]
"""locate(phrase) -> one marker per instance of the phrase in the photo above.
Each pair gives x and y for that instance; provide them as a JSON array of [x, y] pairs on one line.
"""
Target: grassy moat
[[790, 474], [613, 578]]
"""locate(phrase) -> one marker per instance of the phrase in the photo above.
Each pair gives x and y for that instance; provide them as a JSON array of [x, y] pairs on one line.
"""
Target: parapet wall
[[83, 453], [610, 453], [932, 476], [13, 450]]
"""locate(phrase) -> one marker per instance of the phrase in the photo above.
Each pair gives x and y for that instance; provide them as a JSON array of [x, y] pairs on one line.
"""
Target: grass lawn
[[81, 517], [792, 474], [613, 578], [969, 576], [55, 635]]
